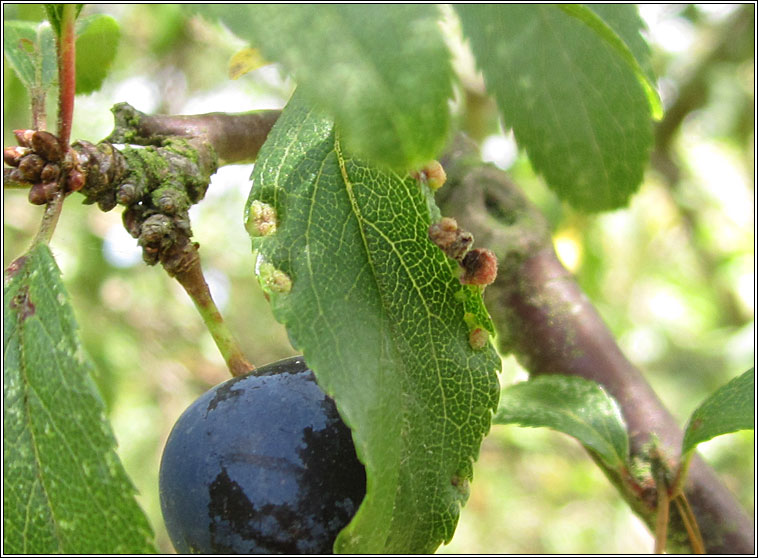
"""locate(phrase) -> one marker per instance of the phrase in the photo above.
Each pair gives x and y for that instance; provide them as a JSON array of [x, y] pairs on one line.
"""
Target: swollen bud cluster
[[39, 161]]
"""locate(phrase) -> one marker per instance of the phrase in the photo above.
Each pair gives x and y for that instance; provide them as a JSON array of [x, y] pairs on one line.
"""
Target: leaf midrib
[[26, 388], [382, 295]]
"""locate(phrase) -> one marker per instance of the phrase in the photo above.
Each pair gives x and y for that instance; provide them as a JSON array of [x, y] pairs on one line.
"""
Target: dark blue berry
[[260, 464]]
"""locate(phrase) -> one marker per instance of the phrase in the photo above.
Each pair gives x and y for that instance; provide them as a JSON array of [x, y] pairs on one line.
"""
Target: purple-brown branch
[[236, 138], [549, 324]]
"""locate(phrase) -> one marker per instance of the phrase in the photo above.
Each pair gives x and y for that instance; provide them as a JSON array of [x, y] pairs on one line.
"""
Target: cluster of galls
[[160, 223], [479, 264], [153, 184], [157, 185], [39, 161]]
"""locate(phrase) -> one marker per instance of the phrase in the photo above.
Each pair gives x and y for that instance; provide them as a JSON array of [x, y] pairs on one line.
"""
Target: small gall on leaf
[[461, 485], [274, 280], [15, 267], [478, 338], [22, 305], [261, 219], [451, 239], [433, 174], [28, 45], [479, 267]]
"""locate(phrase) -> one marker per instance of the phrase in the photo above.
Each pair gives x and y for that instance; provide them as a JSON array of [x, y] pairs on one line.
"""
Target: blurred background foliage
[[673, 274]]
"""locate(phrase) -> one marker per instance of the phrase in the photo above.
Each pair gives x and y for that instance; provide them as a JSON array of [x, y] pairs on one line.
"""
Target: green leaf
[[64, 488], [382, 72], [55, 15], [620, 25], [730, 408], [96, 43], [575, 104], [30, 50], [572, 405], [625, 20], [377, 311]]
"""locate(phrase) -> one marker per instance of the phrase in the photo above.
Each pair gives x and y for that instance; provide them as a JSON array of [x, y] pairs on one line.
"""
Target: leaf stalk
[[49, 219], [194, 284]]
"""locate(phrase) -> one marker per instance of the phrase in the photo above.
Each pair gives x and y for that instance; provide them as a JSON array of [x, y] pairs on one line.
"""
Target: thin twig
[[39, 112], [194, 284], [662, 520], [690, 523], [49, 219]]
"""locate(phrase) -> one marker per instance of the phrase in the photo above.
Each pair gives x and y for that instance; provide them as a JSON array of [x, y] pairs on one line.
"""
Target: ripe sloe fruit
[[261, 463]]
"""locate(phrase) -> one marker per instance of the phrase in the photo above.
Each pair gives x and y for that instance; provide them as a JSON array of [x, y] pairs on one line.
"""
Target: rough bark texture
[[236, 138], [548, 323]]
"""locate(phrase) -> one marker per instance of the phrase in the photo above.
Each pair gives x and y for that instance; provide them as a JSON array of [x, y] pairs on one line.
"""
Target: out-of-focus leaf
[[96, 44], [575, 104], [30, 50], [572, 405], [381, 318], [728, 409], [620, 25], [244, 61], [625, 20], [383, 72], [64, 488]]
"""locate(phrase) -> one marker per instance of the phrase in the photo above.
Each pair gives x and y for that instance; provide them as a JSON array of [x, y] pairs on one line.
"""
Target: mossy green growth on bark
[[157, 183], [177, 166], [128, 121], [184, 148], [145, 166]]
